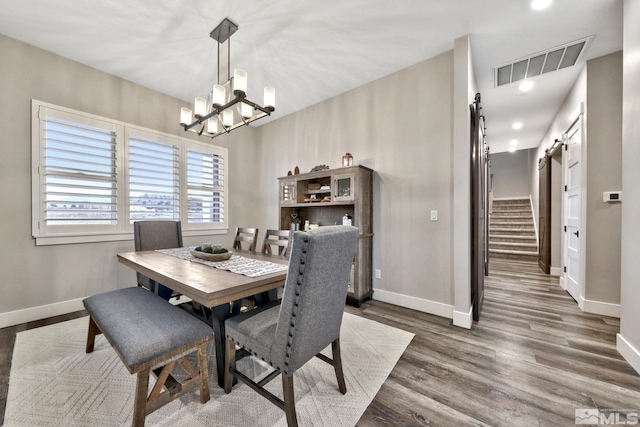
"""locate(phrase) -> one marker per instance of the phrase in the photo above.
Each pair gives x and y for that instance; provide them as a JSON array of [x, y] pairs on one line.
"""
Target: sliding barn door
[[478, 209], [544, 213]]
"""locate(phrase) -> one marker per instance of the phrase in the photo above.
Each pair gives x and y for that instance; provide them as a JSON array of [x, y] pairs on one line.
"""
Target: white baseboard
[[42, 312], [629, 352], [556, 271], [420, 304], [463, 320], [563, 285], [598, 307]]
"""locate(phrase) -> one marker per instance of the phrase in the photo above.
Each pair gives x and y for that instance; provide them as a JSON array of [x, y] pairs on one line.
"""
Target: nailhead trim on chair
[[295, 303]]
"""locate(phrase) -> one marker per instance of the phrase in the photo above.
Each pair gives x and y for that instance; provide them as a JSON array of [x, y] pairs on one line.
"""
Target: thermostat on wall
[[612, 196]]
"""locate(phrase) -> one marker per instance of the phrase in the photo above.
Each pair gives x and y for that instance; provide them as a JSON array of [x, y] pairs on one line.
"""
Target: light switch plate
[[434, 215]]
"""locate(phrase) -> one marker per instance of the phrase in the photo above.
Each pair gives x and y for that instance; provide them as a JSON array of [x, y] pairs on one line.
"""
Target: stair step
[[513, 245], [511, 212], [512, 238], [511, 201], [515, 224], [511, 206], [509, 217], [512, 231]]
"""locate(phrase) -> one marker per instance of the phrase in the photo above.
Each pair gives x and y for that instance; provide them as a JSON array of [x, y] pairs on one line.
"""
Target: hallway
[[531, 360]]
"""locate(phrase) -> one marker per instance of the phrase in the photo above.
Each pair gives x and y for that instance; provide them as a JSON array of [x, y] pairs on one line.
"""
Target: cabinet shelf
[[350, 191], [318, 204]]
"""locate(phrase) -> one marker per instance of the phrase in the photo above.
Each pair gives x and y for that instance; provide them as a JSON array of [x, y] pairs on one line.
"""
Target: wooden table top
[[209, 286]]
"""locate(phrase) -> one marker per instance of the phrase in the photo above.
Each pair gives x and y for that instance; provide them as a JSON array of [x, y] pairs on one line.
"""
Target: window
[[154, 179], [93, 177], [205, 187]]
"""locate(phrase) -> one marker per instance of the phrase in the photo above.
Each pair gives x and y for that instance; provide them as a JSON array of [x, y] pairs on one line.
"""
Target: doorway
[[572, 177]]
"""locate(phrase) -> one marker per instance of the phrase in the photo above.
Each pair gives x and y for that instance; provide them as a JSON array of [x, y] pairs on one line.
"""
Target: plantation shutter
[[205, 186], [79, 175], [154, 179]]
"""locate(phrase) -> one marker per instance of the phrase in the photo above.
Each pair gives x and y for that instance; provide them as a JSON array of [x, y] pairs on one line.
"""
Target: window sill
[[113, 237]]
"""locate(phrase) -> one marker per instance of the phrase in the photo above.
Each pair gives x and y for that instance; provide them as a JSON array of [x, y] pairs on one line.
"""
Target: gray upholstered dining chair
[[151, 236], [308, 319]]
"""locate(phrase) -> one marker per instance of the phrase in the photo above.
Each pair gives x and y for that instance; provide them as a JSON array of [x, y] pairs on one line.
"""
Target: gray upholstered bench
[[150, 335]]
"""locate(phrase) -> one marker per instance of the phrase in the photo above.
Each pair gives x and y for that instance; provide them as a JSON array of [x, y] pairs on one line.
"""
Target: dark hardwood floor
[[531, 360]]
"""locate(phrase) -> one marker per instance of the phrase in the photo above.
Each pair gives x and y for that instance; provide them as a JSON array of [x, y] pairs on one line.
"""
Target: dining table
[[216, 289]]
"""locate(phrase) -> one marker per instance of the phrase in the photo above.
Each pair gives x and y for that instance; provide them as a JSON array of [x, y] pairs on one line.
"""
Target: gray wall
[[599, 89], [604, 173], [36, 276], [629, 338], [511, 173], [393, 126]]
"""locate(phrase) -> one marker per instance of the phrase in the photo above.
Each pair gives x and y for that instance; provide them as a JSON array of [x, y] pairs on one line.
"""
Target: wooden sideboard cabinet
[[324, 198]]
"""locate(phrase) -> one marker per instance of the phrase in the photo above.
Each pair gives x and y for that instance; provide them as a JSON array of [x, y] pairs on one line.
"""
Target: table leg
[[219, 314]]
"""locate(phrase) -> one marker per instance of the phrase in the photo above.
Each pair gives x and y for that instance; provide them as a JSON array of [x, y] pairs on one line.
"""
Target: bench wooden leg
[[140, 405], [91, 335], [230, 364], [203, 366]]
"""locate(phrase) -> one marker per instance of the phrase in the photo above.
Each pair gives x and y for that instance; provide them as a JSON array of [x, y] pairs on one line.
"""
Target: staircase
[[511, 231]]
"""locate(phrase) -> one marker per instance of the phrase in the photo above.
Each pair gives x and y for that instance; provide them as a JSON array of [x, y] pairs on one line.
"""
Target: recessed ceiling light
[[540, 4], [513, 141], [512, 149], [516, 125], [526, 85]]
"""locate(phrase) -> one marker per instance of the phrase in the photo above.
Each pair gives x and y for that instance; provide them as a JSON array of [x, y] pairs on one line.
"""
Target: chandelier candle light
[[216, 114]]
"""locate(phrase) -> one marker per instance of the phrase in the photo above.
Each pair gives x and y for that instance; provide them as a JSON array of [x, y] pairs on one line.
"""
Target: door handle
[[576, 233]]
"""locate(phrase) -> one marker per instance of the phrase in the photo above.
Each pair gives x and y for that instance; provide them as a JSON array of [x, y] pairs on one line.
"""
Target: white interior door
[[572, 209]]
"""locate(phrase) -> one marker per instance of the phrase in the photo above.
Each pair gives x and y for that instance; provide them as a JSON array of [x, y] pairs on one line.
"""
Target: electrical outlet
[[378, 274]]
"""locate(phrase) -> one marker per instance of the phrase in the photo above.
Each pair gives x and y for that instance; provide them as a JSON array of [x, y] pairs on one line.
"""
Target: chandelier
[[226, 107]]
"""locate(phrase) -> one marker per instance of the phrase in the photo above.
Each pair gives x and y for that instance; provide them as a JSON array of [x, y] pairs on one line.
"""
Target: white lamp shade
[[200, 107], [246, 110], [185, 116], [239, 81], [212, 125], [227, 118], [219, 95], [269, 97]]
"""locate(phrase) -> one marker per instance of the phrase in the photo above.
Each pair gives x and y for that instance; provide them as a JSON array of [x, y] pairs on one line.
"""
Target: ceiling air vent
[[541, 63]]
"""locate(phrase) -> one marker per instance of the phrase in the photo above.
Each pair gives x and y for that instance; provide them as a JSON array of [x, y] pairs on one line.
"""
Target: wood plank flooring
[[531, 360]]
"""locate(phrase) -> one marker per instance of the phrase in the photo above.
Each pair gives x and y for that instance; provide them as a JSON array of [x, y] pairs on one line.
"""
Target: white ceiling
[[312, 50]]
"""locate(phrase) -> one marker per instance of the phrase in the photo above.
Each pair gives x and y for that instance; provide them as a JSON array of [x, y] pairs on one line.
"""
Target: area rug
[[54, 383]]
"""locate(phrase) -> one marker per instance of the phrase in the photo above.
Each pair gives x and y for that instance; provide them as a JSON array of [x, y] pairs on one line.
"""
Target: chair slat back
[[248, 235], [278, 238]]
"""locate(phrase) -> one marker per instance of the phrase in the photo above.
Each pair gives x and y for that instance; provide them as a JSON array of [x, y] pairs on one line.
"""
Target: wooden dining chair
[[278, 238], [288, 335], [246, 235], [151, 236]]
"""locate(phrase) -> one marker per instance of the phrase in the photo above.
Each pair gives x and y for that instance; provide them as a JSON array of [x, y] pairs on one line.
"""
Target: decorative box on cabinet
[[323, 198]]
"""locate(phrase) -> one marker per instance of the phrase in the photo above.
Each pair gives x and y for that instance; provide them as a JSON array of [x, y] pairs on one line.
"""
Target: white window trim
[[124, 229]]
